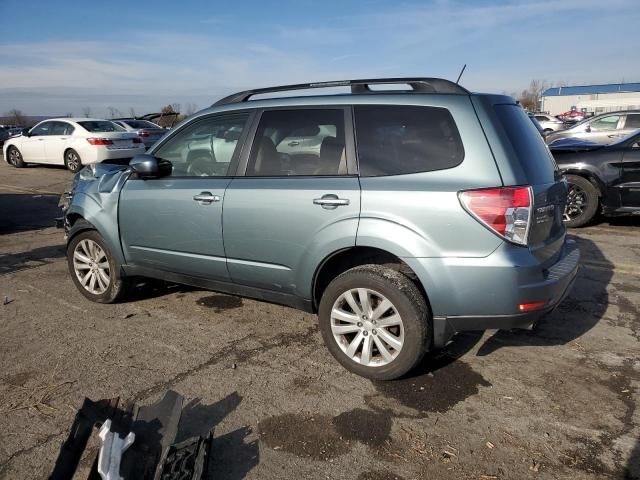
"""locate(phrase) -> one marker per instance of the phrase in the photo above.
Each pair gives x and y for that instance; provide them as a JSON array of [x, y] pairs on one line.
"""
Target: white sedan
[[72, 142]]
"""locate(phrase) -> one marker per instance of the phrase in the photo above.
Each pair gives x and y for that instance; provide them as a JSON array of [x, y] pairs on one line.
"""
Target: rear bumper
[[551, 286]]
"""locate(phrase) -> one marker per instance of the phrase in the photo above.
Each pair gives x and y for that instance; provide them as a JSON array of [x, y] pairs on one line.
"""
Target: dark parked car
[[603, 178]]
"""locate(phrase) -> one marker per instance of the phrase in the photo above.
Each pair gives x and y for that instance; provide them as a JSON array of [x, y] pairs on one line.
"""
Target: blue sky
[[61, 56]]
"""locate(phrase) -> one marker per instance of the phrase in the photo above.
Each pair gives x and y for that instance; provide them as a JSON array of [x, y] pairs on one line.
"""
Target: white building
[[591, 98]]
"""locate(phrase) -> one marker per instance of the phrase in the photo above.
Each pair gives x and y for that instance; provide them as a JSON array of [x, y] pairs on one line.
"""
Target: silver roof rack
[[418, 85]]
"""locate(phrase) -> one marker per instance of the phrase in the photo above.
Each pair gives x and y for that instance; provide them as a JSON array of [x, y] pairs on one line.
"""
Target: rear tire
[[582, 202], [94, 270], [72, 160], [15, 157], [395, 337]]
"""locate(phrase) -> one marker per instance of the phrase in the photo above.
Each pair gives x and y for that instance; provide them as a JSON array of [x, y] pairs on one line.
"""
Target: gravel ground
[[560, 402]]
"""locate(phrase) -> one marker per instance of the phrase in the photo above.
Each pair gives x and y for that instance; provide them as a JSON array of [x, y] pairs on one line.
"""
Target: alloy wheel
[[91, 267], [577, 201], [367, 327], [14, 157], [73, 161]]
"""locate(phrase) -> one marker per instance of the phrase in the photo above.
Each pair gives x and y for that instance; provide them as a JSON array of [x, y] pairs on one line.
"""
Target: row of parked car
[[74, 142]]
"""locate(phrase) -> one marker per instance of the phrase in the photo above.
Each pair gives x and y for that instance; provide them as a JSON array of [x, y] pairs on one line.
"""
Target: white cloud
[[505, 45]]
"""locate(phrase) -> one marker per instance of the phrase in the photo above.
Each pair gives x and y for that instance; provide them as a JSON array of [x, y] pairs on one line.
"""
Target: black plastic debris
[[153, 455]]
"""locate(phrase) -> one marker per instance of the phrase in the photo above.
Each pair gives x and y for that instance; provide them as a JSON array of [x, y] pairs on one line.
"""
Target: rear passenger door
[[296, 203], [57, 141], [630, 181]]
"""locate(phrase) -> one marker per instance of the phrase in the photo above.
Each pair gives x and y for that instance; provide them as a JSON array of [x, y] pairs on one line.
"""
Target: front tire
[[72, 160], [15, 157], [93, 268], [375, 322], [582, 202]]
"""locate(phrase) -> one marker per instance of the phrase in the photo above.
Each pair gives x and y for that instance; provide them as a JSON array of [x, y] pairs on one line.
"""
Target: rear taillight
[[143, 134], [99, 141], [506, 211], [137, 140]]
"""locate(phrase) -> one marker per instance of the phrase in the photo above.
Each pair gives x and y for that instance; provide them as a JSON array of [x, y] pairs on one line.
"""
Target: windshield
[[100, 126], [140, 124]]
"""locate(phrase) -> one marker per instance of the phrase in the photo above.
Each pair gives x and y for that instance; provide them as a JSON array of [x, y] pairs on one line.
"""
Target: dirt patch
[[379, 475], [19, 379], [220, 303], [305, 436], [448, 383], [365, 426], [322, 437]]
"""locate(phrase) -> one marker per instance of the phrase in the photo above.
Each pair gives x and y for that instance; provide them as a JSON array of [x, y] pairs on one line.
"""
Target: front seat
[[268, 161], [333, 160]]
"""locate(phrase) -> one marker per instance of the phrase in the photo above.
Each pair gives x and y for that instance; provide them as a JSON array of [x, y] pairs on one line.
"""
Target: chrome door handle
[[206, 198], [330, 201]]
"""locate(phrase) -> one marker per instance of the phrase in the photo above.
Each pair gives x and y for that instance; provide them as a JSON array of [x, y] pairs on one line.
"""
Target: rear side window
[[96, 126], [534, 155], [396, 140], [633, 121], [299, 143], [140, 124]]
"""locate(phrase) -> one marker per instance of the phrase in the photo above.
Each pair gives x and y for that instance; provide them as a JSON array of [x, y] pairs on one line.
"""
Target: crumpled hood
[[101, 178]]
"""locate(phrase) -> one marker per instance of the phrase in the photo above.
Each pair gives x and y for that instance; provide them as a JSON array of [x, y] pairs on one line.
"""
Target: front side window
[[395, 140], [42, 129], [299, 142], [205, 148], [605, 123]]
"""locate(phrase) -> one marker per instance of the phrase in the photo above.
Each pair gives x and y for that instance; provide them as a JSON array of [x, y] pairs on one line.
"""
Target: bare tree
[[69, 114], [168, 115], [529, 98], [190, 109], [18, 117], [114, 112], [132, 112], [86, 111]]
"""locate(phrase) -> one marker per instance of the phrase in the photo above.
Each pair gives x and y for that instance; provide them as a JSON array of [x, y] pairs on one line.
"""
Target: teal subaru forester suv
[[399, 216]]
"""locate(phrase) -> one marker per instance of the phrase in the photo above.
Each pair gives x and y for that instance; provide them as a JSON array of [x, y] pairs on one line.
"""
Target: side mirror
[[26, 132], [148, 166]]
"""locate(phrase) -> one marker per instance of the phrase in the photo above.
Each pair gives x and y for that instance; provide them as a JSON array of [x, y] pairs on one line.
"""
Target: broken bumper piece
[[137, 442]]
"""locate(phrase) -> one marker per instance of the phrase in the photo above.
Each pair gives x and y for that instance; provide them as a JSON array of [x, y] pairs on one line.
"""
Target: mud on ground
[[560, 402]]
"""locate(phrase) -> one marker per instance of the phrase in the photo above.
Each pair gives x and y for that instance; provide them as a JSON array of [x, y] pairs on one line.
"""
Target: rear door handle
[[330, 201], [206, 198]]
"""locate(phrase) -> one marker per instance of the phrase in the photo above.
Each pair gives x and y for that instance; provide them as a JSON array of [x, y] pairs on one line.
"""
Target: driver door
[[174, 223], [33, 146]]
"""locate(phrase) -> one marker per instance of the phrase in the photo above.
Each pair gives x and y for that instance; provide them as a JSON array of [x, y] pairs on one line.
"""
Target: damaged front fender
[[93, 203]]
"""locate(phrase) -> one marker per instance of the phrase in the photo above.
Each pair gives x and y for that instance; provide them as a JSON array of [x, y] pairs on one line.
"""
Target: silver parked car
[[148, 131], [399, 217], [549, 123], [603, 129]]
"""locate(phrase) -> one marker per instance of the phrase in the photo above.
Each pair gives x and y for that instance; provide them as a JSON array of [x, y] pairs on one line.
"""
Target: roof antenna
[[461, 72]]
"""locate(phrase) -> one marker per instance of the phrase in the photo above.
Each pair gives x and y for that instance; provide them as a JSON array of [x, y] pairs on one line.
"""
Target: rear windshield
[[140, 124], [534, 155], [395, 140], [100, 126]]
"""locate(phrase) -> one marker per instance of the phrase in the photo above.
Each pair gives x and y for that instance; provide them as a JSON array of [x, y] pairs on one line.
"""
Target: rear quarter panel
[[419, 215]]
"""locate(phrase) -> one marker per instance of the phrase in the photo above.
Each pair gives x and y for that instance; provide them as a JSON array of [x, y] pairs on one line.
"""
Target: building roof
[[591, 89]]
